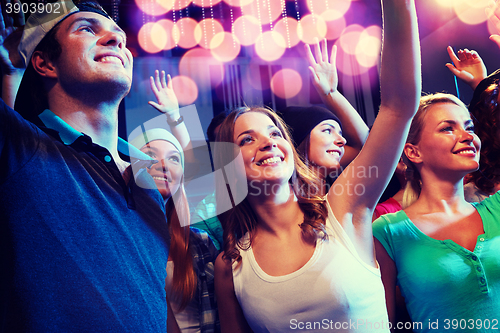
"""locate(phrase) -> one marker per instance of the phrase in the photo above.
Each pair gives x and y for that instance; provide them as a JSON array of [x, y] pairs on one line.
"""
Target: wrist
[[173, 123]]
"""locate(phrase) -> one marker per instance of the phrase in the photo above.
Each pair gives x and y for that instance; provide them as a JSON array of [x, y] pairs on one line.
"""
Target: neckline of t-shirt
[[271, 278], [447, 242]]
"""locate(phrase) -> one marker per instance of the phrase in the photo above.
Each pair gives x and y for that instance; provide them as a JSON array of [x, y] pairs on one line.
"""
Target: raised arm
[[168, 104], [10, 60], [368, 175], [325, 79], [467, 66]]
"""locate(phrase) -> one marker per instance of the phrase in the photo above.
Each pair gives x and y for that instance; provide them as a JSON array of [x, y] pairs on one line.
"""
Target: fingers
[[333, 56], [155, 105], [314, 76], [153, 85], [309, 55], [317, 51], [169, 82], [163, 82], [157, 79], [324, 51], [452, 55], [453, 69]]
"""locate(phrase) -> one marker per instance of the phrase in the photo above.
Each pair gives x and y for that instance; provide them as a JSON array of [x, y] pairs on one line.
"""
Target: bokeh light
[[266, 11], [247, 29], [350, 37], [286, 83], [336, 7], [334, 28], [347, 63], [310, 27], [206, 3], [152, 37], [225, 46], [368, 48], [287, 27], [445, 3], [238, 3], [471, 11], [270, 46], [204, 69], [185, 89], [206, 30], [155, 7], [183, 32], [168, 26], [181, 4]]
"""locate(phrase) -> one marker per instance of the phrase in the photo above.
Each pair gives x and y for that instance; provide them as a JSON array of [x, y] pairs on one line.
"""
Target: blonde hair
[[412, 175]]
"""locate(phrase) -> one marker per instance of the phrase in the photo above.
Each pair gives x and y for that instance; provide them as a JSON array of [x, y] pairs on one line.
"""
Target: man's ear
[[412, 153], [42, 65]]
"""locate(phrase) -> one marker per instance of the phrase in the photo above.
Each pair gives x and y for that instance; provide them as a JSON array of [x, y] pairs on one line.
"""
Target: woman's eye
[[470, 129], [327, 131], [276, 133], [446, 129], [245, 140], [175, 159], [151, 154]]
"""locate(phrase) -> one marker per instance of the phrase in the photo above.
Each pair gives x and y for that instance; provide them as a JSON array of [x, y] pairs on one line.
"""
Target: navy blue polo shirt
[[80, 249]]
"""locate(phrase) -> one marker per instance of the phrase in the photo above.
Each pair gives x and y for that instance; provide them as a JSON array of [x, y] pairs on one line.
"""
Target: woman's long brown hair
[[242, 218]]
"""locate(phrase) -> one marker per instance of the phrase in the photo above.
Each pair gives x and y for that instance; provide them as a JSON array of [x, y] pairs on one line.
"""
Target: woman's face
[[448, 142], [266, 154], [167, 173], [326, 146]]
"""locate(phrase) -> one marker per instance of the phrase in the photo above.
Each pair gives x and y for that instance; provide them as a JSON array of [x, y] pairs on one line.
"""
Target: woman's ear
[[42, 65], [412, 153]]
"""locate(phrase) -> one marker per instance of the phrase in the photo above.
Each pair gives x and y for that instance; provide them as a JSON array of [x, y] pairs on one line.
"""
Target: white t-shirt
[[335, 290]]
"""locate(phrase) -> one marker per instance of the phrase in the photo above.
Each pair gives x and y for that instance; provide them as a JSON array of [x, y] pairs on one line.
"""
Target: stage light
[[183, 32], [350, 37], [471, 11], [225, 46], [206, 3], [334, 28], [286, 83], [310, 27], [185, 89], [336, 7], [238, 3], [155, 7], [247, 29], [181, 4], [266, 11], [368, 48], [287, 27], [152, 37], [270, 46], [206, 30], [202, 67], [168, 26]]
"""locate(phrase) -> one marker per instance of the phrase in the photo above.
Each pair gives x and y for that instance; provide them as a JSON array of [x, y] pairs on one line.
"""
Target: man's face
[[93, 52]]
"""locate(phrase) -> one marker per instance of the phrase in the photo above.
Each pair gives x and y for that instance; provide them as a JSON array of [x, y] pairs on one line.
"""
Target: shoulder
[[389, 223], [489, 207]]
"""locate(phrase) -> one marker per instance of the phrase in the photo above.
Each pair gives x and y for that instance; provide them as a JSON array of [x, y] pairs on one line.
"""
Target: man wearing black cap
[[83, 241]]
